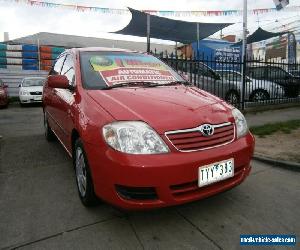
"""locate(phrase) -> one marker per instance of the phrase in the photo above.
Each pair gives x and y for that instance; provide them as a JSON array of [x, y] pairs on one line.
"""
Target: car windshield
[[105, 69], [33, 82], [230, 76]]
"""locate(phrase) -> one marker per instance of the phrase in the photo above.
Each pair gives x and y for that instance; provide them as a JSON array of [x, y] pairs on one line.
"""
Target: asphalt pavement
[[273, 116], [40, 208]]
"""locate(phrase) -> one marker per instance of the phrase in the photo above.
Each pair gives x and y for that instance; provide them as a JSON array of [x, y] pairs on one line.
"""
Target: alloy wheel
[[81, 172]]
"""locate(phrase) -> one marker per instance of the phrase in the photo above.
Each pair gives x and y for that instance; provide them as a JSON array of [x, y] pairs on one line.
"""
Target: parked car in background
[[31, 90], [295, 72], [3, 94], [209, 80], [139, 134], [255, 90], [289, 82]]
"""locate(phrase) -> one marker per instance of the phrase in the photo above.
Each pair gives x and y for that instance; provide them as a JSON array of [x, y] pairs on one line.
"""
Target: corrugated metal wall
[[19, 61], [28, 56], [13, 78]]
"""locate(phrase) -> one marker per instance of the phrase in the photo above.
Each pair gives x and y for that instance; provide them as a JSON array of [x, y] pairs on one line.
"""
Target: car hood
[[163, 108]]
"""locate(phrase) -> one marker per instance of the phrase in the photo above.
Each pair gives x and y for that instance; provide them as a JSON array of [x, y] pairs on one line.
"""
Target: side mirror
[[58, 81]]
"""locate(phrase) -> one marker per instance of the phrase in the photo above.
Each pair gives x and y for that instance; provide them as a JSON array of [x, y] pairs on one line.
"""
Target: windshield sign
[[117, 68]]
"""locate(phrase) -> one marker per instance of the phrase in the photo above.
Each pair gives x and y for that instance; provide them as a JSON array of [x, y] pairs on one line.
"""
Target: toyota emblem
[[207, 129]]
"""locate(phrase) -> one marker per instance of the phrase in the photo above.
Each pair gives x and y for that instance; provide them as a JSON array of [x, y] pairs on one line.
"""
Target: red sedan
[[3, 95], [141, 136]]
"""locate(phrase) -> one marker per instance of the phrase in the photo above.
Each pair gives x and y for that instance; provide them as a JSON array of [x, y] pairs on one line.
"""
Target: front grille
[[136, 193], [193, 140], [36, 93]]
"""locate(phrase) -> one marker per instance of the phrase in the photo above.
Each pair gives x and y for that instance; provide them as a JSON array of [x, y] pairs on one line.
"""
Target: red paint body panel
[[173, 175], [3, 95]]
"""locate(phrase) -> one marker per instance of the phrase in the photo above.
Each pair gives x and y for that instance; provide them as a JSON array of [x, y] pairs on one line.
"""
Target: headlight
[[134, 137], [24, 92], [240, 123]]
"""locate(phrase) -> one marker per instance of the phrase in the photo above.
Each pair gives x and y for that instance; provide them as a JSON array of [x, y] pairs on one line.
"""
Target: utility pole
[[244, 53], [198, 41], [257, 20], [148, 33]]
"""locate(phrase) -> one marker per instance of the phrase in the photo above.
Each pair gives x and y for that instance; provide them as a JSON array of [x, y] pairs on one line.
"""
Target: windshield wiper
[[186, 83], [145, 84], [130, 84]]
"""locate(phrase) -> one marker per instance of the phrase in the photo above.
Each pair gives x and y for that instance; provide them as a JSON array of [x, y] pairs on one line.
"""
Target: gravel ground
[[280, 146]]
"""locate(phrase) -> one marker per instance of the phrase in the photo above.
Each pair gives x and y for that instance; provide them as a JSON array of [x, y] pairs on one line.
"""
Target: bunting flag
[[184, 13]]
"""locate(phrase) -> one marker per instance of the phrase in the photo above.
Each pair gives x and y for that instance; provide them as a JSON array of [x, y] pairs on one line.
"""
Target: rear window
[[196, 68], [33, 82], [101, 69], [256, 72]]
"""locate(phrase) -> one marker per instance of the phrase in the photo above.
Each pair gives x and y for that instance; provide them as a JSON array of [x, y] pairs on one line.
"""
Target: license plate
[[37, 98], [215, 172]]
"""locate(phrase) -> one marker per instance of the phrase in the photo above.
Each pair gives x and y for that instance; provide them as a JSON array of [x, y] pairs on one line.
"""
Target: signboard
[[115, 69], [277, 48], [230, 57]]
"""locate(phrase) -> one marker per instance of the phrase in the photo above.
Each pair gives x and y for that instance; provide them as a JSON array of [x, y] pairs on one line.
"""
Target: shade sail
[[260, 35], [168, 29]]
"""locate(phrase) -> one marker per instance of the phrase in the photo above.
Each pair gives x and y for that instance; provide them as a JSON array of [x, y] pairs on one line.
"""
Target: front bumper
[[173, 176], [30, 98]]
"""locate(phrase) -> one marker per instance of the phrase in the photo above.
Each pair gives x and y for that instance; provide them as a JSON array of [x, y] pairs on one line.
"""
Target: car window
[[196, 68], [57, 66], [276, 72], [203, 70], [257, 72], [231, 76], [68, 69], [100, 69]]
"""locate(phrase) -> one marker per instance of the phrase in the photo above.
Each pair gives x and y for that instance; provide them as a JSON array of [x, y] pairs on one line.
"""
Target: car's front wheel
[[50, 136], [232, 97], [83, 176]]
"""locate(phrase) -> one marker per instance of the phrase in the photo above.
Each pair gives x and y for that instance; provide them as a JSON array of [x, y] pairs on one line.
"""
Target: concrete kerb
[[293, 166]]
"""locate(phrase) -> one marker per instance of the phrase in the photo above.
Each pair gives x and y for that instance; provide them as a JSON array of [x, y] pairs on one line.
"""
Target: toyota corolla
[[140, 136]]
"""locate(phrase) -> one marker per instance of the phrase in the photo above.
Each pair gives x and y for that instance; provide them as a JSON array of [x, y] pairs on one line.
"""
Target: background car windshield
[[33, 82], [231, 76], [101, 69]]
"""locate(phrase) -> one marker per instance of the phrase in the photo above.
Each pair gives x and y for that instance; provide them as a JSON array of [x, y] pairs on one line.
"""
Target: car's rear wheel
[[83, 176], [50, 136], [232, 97], [259, 95]]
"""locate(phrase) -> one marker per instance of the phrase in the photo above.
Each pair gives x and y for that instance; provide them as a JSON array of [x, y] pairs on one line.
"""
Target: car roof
[[90, 49]]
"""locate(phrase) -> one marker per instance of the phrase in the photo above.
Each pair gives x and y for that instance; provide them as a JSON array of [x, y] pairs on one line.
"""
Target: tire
[[232, 97], [259, 95], [50, 136], [83, 176]]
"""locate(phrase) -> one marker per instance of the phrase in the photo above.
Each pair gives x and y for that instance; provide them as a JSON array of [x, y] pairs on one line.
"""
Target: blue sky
[[21, 20]]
